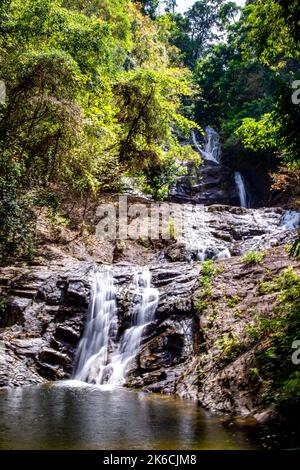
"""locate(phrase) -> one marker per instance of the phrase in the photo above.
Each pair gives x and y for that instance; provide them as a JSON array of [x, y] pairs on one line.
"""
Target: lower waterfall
[[102, 358]]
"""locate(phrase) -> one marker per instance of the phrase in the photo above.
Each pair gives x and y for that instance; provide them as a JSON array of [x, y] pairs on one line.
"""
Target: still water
[[72, 415]]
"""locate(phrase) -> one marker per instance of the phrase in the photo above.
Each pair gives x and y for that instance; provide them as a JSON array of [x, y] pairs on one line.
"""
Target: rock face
[[42, 322], [204, 351], [221, 231], [211, 184], [212, 232], [46, 311]]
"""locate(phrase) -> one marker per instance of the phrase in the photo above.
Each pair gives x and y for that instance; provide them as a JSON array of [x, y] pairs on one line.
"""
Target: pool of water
[[72, 415]]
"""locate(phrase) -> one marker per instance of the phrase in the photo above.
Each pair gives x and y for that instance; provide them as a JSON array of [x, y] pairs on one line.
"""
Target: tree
[[92, 92], [263, 19], [149, 7], [171, 6], [280, 52], [148, 101], [200, 27]]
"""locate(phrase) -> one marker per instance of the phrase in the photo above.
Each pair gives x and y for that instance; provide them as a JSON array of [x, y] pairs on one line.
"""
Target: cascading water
[[100, 331], [196, 143], [212, 149], [291, 220], [242, 190], [145, 301], [101, 359]]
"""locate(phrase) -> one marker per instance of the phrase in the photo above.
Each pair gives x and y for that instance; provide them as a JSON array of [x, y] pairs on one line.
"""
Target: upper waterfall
[[242, 190], [212, 147]]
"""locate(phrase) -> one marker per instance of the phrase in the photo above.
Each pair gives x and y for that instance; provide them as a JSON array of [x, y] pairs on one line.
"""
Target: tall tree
[[201, 26], [171, 6], [149, 7]]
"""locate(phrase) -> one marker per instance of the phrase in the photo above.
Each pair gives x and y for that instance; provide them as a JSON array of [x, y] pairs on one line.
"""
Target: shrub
[[230, 346], [253, 257], [281, 330], [17, 221]]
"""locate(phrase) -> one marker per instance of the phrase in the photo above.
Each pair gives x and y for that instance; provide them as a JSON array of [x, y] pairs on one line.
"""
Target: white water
[[242, 190], [218, 232], [224, 254], [101, 359], [291, 220], [100, 331], [212, 149]]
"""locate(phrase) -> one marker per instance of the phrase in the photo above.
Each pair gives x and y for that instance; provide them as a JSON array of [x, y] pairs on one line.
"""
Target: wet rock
[[50, 292], [162, 352], [67, 334], [27, 347], [213, 184], [50, 372], [45, 307], [52, 357], [218, 232], [77, 294], [15, 311]]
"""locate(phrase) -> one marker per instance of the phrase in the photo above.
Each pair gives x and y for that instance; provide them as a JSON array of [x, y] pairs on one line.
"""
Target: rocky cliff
[[198, 347]]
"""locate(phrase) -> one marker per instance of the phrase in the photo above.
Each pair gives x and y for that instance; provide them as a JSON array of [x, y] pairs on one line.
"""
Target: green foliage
[[200, 27], [149, 7], [148, 102], [233, 301], [277, 130], [258, 135], [264, 19], [280, 52], [254, 331], [231, 348], [92, 92], [247, 85], [286, 116], [281, 329], [253, 257], [16, 218], [208, 271], [295, 249], [160, 178], [288, 279], [289, 397]]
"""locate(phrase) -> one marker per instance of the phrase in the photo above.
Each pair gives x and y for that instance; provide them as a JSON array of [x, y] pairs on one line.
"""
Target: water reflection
[[72, 416]]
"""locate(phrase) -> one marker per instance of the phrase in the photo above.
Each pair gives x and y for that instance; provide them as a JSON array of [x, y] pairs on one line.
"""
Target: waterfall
[[144, 305], [100, 331], [242, 190], [212, 148], [224, 254], [196, 143], [101, 358]]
